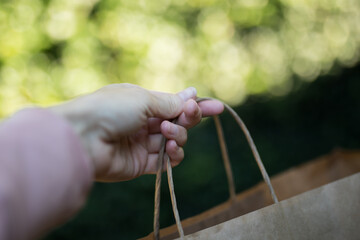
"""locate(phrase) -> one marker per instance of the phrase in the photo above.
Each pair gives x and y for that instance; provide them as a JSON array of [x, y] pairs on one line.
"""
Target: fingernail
[[188, 93]]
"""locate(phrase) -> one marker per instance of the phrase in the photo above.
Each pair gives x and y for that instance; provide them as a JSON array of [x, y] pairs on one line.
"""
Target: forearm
[[45, 174]]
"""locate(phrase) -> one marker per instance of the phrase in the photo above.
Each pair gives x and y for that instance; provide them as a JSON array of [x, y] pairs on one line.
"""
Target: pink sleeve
[[45, 174]]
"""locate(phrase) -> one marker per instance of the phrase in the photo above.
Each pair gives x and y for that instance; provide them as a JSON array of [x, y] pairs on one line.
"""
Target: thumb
[[168, 105]]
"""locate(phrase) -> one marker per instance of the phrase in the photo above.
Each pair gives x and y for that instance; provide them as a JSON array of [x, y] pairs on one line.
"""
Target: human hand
[[121, 127]]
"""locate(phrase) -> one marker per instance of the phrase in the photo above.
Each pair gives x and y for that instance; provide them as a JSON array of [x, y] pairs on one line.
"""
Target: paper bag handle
[[225, 156]]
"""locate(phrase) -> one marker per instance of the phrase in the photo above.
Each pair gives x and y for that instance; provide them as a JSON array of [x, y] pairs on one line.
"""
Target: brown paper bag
[[313, 174], [328, 212]]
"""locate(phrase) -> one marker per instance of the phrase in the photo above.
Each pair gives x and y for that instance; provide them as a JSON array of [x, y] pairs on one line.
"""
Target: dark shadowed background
[[290, 68]]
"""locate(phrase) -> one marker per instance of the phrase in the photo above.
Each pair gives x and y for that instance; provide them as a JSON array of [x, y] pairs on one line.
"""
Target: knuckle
[[197, 114], [173, 103]]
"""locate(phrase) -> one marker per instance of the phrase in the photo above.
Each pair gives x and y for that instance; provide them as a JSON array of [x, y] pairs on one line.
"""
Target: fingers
[[174, 132], [167, 105], [171, 131], [154, 143], [177, 137], [211, 107], [193, 112], [189, 93], [175, 153], [191, 115]]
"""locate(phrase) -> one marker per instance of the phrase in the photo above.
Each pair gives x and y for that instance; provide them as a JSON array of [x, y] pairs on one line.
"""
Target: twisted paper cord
[[227, 168]]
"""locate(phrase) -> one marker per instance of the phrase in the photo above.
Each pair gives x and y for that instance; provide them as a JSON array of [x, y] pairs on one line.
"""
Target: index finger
[[211, 107]]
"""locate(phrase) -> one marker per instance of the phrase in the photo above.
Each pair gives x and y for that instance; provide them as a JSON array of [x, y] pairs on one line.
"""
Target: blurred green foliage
[[264, 54], [52, 50]]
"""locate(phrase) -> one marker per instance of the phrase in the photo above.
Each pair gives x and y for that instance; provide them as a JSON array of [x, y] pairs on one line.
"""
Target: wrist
[[69, 112], [75, 116]]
